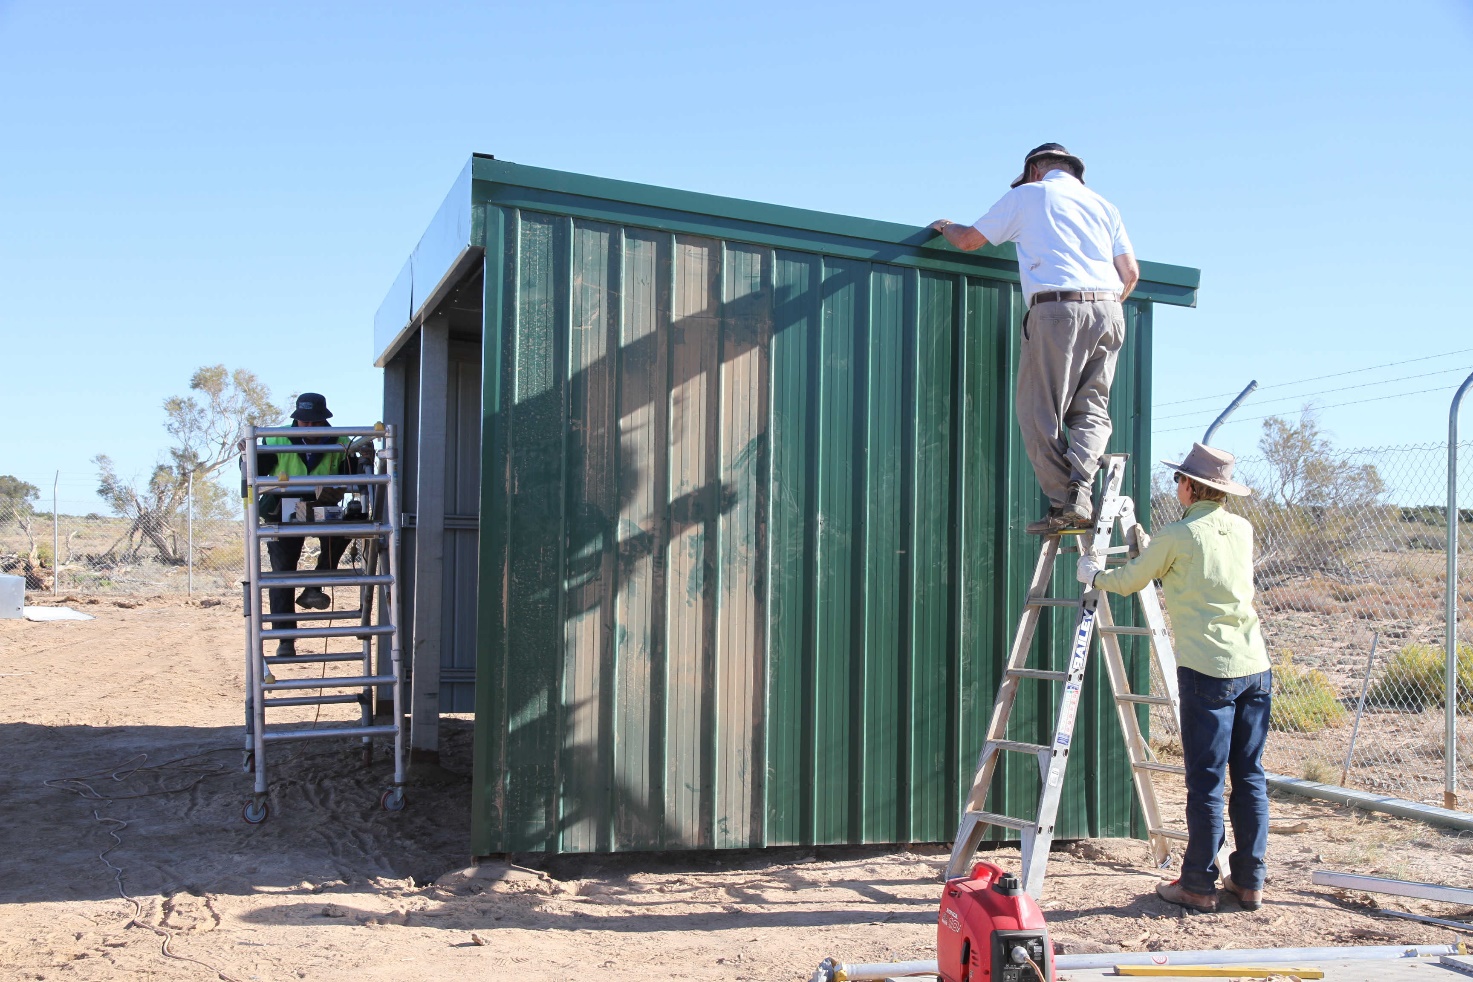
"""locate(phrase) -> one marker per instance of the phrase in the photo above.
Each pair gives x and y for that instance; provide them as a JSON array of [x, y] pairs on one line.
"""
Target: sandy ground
[[332, 887]]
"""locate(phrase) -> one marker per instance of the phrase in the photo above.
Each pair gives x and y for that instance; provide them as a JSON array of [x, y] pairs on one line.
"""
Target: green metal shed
[[717, 517]]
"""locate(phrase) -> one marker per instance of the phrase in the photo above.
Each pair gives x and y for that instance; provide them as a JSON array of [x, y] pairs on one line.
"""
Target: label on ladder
[[1081, 641], [1071, 708]]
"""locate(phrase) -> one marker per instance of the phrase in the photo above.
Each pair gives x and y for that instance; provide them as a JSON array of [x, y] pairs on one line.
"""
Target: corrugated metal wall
[[751, 542]]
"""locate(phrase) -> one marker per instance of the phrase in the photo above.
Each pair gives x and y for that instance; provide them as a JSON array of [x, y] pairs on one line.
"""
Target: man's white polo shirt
[[1067, 236]]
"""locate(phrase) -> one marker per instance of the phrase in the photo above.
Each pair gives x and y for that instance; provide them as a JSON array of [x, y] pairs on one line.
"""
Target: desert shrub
[[1304, 700], [226, 556], [1357, 592], [1168, 745], [1416, 678], [1309, 597], [1320, 771]]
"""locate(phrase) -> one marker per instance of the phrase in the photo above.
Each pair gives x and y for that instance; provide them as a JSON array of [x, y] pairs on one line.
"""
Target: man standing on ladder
[[1205, 565], [1077, 267], [284, 553]]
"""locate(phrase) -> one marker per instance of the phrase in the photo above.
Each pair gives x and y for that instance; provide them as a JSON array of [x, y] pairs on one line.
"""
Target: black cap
[[1008, 885], [1049, 150], [311, 408]]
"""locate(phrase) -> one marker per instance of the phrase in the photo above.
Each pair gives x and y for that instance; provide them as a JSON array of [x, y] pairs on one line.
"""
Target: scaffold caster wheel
[[248, 762], [255, 812], [393, 800], [368, 756]]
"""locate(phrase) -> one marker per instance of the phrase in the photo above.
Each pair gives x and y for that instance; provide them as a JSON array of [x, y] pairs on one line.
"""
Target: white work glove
[[1089, 566]]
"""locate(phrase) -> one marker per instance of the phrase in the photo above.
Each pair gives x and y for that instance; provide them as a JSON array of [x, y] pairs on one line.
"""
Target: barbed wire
[[1318, 378]]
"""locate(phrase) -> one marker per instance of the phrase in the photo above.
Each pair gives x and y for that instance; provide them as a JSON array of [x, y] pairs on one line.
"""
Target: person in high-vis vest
[[284, 553]]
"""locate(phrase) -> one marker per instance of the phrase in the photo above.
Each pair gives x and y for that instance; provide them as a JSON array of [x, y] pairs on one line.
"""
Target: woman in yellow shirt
[[1205, 565]]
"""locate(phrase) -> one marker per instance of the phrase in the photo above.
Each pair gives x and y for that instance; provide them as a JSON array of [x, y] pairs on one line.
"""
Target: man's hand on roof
[[963, 237]]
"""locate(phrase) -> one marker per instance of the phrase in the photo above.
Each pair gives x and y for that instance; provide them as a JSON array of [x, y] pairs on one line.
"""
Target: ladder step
[[1002, 821], [1050, 602], [341, 530], [1169, 834], [313, 659], [1143, 699], [322, 481], [348, 631], [331, 682], [1110, 551], [1144, 632], [312, 700], [323, 432], [344, 578], [1037, 673], [314, 615], [383, 729], [1017, 747], [1151, 765]]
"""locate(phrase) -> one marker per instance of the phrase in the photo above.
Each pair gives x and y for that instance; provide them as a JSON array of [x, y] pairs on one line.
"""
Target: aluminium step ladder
[[1093, 617], [374, 530]]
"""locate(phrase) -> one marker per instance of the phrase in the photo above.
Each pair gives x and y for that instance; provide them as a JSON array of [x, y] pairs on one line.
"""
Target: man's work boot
[[1174, 893], [286, 649], [1247, 899], [1078, 503], [1052, 521], [313, 599]]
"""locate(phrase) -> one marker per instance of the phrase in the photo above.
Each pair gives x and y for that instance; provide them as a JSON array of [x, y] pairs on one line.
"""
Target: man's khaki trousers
[[1063, 401]]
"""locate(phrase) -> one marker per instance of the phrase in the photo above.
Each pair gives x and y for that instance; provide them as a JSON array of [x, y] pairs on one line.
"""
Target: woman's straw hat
[[1210, 466]]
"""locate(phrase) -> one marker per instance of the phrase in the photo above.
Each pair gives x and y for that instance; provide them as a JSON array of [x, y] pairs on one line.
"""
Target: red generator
[[989, 930]]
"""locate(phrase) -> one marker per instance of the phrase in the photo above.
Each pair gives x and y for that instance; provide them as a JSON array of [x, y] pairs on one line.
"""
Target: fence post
[[1232, 406], [191, 533], [55, 539], [1450, 700]]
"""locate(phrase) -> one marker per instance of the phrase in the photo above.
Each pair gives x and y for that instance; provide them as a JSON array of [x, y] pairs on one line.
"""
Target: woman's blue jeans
[[1224, 723]]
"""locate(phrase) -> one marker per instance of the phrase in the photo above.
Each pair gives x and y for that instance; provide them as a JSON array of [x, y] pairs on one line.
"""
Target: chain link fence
[[1362, 556], [1336, 570], [62, 546]]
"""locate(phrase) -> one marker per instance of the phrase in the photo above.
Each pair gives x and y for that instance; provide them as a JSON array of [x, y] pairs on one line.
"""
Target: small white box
[[327, 513], [12, 596]]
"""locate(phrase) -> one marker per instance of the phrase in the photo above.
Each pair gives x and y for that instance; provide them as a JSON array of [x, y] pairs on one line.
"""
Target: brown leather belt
[[1070, 295]]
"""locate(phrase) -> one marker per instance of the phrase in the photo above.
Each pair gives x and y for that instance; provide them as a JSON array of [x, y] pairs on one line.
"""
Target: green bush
[[1416, 679], [1304, 700]]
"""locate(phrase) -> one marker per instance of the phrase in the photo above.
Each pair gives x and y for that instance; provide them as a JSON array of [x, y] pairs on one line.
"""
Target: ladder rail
[[1135, 741], [390, 459], [1155, 617], [257, 670], [1053, 767], [1002, 706]]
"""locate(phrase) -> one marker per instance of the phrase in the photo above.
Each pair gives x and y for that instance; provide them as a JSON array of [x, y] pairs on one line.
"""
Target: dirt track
[[334, 888]]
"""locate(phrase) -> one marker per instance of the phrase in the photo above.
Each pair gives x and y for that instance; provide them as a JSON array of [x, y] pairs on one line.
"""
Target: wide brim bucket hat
[[311, 408], [1049, 150], [1212, 467]]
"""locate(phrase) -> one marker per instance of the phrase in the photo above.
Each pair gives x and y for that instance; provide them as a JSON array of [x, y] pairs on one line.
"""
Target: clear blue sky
[[188, 183]]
